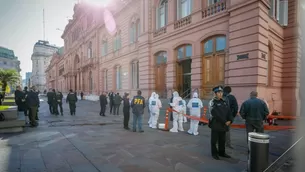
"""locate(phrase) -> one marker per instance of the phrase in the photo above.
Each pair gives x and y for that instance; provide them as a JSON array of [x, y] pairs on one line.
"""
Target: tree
[[8, 77]]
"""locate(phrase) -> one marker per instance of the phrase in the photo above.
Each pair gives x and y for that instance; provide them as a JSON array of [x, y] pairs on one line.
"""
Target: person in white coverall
[[177, 117], [195, 104], [155, 106], [153, 94], [184, 110]]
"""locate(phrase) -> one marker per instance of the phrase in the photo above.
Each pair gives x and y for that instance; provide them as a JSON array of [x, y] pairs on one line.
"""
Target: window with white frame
[[90, 50], [161, 14], [105, 80], [104, 47], [279, 11], [118, 77], [117, 41], [184, 8], [135, 74]]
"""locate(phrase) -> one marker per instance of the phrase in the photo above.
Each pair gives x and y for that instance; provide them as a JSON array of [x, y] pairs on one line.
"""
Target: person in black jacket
[[103, 103], [32, 101], [72, 99], [19, 98], [254, 111], [111, 103], [126, 110], [234, 109], [59, 98], [51, 99], [219, 122], [138, 106]]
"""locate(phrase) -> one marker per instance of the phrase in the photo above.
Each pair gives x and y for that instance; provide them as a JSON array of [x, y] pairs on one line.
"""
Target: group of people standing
[[28, 102], [55, 99]]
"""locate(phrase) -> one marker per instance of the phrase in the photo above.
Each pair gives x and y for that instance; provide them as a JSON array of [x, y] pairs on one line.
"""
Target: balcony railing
[[214, 9], [160, 31], [183, 22]]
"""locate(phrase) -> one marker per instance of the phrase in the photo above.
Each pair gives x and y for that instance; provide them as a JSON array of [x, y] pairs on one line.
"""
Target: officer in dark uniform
[[32, 101], [220, 120], [72, 99], [51, 99], [59, 98]]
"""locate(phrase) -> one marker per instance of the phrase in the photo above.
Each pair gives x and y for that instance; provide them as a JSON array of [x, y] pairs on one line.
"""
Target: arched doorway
[[213, 64], [184, 70], [160, 73]]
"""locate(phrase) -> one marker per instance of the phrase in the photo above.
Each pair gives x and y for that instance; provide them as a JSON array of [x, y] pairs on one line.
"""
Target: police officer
[[72, 99], [51, 98], [219, 122], [32, 101], [138, 105], [59, 98]]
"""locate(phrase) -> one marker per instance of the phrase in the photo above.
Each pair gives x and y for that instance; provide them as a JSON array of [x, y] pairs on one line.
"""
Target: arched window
[[184, 52], [105, 80], [162, 13], [104, 47], [270, 66], [135, 74], [90, 50], [161, 58], [138, 29], [184, 8], [90, 81], [135, 31], [118, 77], [117, 41], [132, 33]]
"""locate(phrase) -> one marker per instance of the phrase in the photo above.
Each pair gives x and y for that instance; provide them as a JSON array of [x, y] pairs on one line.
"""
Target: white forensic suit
[[177, 117], [153, 95], [155, 106], [184, 110], [195, 104]]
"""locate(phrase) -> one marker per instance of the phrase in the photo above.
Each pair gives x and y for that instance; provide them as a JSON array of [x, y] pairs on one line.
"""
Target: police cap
[[217, 89]]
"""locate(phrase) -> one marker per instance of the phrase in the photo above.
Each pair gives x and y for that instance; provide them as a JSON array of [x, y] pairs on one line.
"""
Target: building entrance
[[184, 78]]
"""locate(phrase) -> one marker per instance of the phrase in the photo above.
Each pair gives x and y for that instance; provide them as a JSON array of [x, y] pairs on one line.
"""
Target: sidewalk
[[91, 143]]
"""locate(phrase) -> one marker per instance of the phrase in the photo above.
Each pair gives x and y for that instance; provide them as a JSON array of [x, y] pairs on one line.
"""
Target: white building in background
[[41, 57]]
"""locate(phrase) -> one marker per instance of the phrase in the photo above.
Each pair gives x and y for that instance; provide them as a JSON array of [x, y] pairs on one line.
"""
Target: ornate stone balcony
[[160, 31], [214, 9], [183, 22]]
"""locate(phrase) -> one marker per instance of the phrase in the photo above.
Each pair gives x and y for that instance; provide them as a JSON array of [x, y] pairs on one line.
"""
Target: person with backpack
[[234, 109]]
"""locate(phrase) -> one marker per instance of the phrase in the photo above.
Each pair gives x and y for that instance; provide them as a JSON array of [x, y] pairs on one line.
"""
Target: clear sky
[[21, 25]]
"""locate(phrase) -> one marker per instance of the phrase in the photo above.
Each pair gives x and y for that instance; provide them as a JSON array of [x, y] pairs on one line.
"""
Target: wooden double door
[[160, 80], [213, 73]]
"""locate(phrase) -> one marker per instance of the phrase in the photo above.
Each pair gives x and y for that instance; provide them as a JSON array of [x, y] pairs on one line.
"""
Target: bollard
[[258, 146]]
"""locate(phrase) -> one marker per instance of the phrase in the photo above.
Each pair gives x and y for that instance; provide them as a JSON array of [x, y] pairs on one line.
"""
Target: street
[[88, 142]]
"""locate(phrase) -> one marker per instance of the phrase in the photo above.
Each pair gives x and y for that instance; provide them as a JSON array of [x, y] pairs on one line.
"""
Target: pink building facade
[[184, 45]]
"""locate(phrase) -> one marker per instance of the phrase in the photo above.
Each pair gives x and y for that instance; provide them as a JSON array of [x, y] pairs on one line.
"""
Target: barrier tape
[[205, 120]]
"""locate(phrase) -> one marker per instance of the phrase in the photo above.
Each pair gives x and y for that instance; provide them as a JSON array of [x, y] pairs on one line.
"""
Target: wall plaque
[[242, 56]]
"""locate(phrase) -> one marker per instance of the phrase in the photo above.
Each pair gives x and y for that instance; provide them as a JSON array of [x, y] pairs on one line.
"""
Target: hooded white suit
[[155, 106], [195, 104], [153, 96], [177, 117]]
